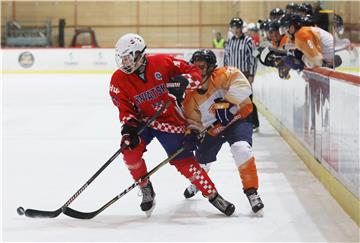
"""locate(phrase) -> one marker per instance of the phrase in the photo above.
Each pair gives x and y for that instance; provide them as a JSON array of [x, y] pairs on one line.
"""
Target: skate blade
[[149, 212], [258, 214]]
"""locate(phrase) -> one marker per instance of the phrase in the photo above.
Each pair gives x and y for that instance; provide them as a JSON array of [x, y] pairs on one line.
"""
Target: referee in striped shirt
[[238, 53]]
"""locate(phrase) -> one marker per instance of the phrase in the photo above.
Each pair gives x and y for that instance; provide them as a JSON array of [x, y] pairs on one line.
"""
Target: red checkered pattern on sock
[[203, 182]]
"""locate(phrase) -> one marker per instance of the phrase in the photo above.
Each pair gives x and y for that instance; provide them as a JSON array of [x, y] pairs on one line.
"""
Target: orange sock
[[248, 174]]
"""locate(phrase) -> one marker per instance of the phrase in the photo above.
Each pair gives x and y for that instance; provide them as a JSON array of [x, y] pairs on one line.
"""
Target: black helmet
[[290, 19], [338, 21], [274, 25], [276, 13], [292, 7], [307, 20], [339, 24], [265, 25], [306, 8], [205, 55], [236, 22]]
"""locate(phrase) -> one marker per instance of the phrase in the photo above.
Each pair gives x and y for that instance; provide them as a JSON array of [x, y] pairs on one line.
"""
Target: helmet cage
[[130, 62], [283, 30], [287, 20]]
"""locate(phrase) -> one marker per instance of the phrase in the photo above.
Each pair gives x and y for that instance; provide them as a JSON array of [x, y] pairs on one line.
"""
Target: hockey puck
[[20, 210]]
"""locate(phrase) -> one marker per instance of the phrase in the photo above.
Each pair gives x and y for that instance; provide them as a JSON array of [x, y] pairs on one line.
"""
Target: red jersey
[[256, 39], [139, 97]]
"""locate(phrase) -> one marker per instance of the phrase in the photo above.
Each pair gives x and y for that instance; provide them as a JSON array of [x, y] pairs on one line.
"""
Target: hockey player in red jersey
[[138, 89]]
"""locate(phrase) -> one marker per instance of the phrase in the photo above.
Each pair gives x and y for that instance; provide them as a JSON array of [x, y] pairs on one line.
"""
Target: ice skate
[[254, 200], [190, 191], [148, 199], [224, 206]]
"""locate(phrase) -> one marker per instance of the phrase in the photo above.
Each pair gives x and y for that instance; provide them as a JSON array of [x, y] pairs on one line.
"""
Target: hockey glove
[[293, 63], [295, 53], [284, 72], [177, 86], [130, 137], [269, 56], [191, 140], [221, 108]]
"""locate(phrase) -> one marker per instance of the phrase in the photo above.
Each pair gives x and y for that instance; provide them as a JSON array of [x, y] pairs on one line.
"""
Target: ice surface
[[59, 129]]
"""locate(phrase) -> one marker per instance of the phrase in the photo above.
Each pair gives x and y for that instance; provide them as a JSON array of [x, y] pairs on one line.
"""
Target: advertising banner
[[74, 60]]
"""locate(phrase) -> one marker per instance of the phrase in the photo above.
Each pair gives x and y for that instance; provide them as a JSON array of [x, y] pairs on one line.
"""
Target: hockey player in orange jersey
[[314, 47], [278, 41], [223, 99], [306, 46]]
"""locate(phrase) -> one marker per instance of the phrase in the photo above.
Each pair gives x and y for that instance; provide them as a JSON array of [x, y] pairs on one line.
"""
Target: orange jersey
[[225, 82], [284, 43], [273, 43], [316, 44], [284, 40]]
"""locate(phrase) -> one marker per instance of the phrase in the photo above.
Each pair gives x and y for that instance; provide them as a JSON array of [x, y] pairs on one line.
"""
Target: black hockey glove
[[130, 137], [293, 63], [269, 56], [177, 86], [295, 53], [191, 140], [221, 108], [284, 72]]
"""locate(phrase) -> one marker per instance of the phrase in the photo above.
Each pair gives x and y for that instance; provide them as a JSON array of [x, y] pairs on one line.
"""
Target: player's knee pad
[[180, 163], [137, 168], [241, 152], [192, 170]]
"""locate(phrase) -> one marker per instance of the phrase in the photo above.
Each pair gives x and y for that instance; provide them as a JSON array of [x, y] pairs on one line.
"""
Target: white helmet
[[251, 26], [129, 52]]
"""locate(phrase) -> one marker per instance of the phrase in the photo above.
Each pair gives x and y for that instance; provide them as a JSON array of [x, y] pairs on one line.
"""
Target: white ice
[[59, 129]]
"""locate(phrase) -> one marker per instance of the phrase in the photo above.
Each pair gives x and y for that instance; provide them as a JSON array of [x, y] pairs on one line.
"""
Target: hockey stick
[[33, 213], [89, 215]]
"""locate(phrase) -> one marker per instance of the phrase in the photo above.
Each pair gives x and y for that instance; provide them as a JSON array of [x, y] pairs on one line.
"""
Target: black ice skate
[[224, 206], [190, 191], [148, 201], [254, 200]]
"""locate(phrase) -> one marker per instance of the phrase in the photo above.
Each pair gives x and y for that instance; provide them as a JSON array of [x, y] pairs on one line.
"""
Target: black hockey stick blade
[[89, 215], [79, 215], [34, 213]]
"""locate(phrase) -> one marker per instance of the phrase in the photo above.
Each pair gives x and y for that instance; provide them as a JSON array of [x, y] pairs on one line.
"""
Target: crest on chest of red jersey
[[158, 76]]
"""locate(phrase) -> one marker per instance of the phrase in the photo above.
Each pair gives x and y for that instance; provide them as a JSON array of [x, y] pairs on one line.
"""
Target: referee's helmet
[[236, 22]]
